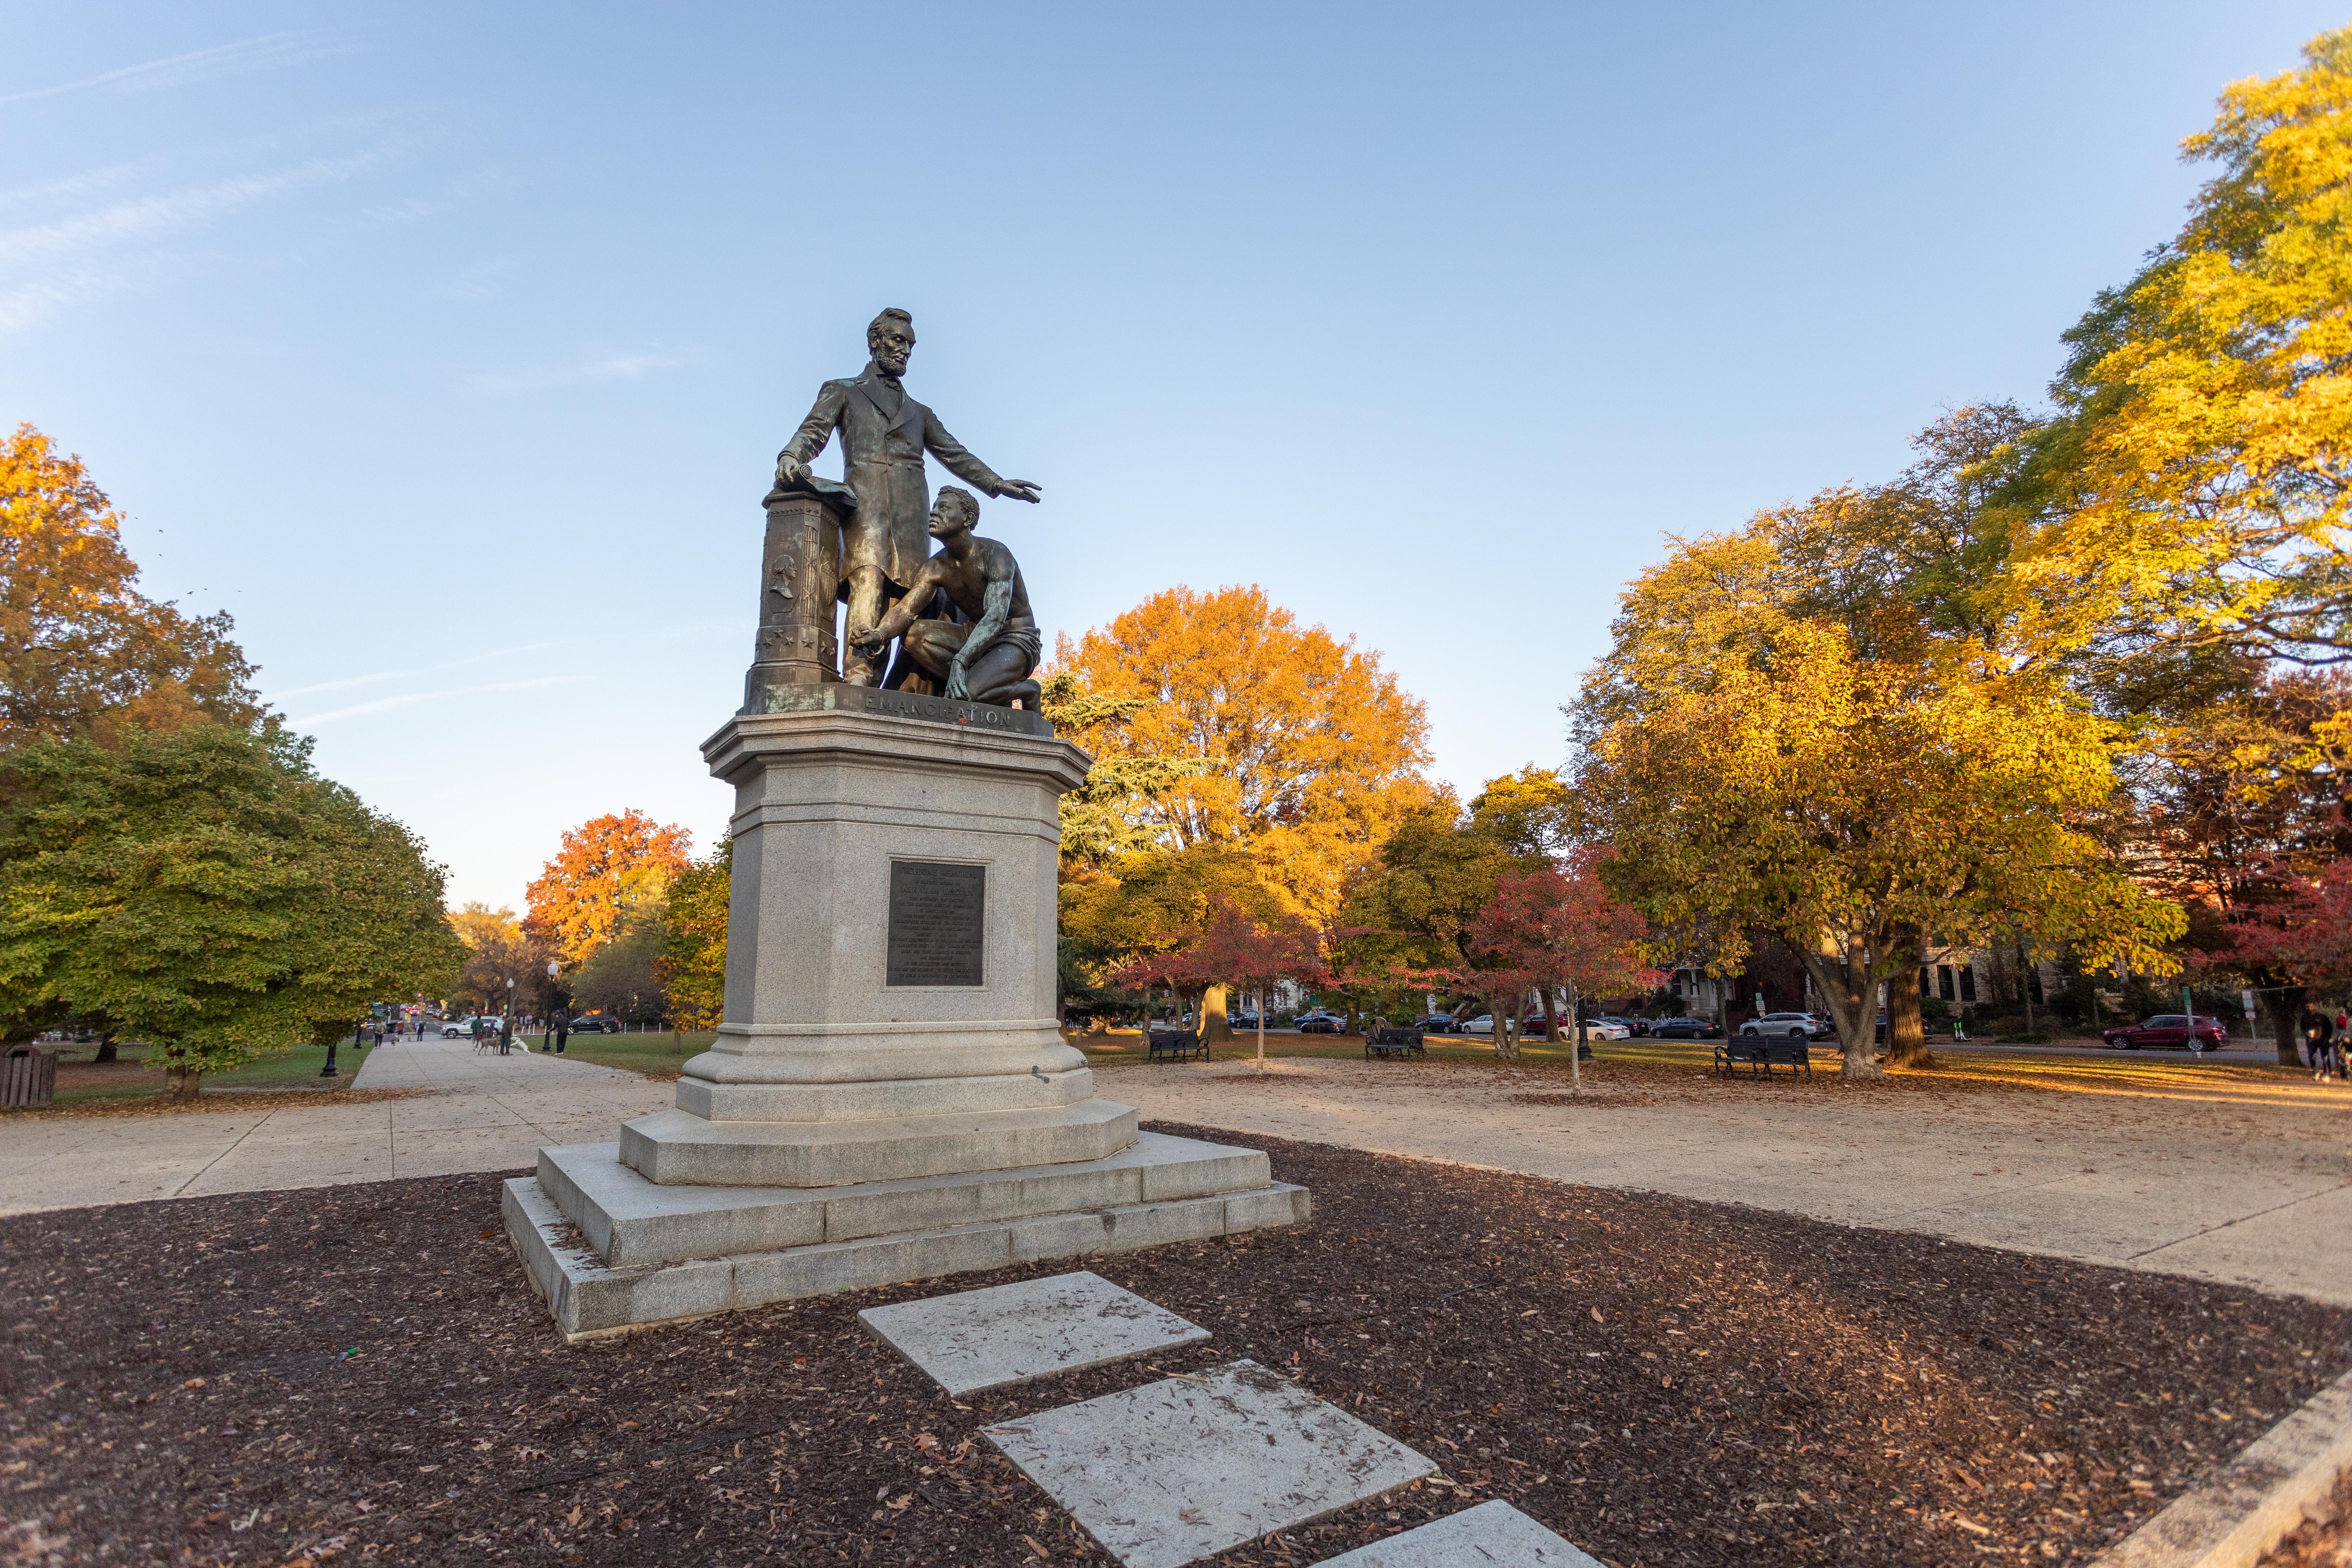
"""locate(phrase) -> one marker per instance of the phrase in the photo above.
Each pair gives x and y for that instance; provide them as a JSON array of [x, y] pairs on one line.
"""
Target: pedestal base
[[609, 1250]]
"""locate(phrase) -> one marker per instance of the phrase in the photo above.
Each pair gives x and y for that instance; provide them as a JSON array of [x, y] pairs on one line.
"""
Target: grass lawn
[[130, 1077], [653, 1055], [1114, 1044]]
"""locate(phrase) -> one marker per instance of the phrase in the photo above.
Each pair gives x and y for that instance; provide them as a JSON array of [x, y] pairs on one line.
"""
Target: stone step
[[589, 1296], [629, 1220], [677, 1148]]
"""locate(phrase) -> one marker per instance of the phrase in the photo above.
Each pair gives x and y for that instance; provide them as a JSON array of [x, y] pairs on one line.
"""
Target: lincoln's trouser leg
[[867, 590]]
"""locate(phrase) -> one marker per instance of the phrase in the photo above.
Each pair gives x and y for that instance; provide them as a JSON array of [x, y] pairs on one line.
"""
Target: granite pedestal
[[889, 1097]]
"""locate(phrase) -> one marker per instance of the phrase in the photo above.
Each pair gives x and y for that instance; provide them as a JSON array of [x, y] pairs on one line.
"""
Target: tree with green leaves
[[692, 968], [206, 892]]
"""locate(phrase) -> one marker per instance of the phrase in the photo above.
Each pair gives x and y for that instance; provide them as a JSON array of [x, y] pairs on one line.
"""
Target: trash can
[[28, 1076]]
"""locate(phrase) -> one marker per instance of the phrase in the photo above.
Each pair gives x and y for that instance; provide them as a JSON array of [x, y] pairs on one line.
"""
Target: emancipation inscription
[[936, 912]]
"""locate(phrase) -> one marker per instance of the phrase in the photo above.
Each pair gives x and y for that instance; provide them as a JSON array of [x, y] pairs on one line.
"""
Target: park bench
[[1393, 1042], [1176, 1044], [1760, 1054]]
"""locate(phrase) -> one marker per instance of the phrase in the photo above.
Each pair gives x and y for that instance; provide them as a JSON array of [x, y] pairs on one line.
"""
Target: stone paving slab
[[1191, 1466], [1492, 1535], [979, 1340]]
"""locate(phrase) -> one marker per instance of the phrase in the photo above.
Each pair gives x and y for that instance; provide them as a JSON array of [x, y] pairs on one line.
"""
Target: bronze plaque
[[936, 910]]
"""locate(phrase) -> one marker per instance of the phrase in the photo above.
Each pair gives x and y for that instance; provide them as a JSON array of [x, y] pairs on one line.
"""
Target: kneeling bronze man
[[989, 661]]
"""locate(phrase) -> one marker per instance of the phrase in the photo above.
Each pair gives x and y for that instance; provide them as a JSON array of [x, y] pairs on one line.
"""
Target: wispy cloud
[[263, 53], [456, 194], [109, 248], [190, 206], [347, 682], [409, 699], [586, 371]]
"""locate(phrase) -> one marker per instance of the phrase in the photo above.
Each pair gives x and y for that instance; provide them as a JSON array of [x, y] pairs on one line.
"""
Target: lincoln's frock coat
[[883, 433]]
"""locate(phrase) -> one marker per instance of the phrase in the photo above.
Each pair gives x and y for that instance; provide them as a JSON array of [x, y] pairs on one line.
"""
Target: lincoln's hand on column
[[883, 433]]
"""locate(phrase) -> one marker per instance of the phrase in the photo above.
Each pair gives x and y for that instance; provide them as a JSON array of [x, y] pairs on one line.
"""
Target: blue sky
[[449, 347]]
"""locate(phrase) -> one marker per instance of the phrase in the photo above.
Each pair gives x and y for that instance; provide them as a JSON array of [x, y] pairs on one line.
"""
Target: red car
[[2169, 1032]]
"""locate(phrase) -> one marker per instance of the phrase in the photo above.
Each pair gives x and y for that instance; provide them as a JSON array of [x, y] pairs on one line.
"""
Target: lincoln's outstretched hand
[[1019, 490]]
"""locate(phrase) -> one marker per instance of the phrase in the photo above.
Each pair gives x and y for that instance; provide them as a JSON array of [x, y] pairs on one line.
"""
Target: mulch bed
[[360, 1372], [165, 1104]]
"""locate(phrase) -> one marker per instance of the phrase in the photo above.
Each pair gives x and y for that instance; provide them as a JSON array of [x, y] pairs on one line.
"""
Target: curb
[[2231, 1518]]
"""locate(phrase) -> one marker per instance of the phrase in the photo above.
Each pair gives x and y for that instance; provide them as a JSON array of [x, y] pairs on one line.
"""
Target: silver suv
[[1790, 1025]]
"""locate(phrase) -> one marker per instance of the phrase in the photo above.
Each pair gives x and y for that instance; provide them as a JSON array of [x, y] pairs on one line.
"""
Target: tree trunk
[[1906, 1039], [183, 1081], [1261, 1029], [1506, 1048], [1551, 1017], [2287, 1011], [1576, 1045], [1214, 1028], [1848, 992], [106, 1052]]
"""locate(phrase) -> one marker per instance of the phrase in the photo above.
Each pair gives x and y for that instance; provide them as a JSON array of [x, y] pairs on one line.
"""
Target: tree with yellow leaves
[[1751, 767], [2196, 483]]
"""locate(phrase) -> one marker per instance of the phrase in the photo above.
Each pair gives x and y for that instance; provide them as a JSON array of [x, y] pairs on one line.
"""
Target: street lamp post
[[506, 1025], [329, 1070], [547, 1035]]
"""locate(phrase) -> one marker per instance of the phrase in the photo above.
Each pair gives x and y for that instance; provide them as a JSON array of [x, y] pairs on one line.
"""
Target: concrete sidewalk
[[490, 1113], [2248, 1185]]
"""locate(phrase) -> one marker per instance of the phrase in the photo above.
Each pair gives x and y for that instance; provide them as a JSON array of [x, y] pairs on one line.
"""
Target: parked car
[[2169, 1032], [1790, 1025], [1601, 1029], [1321, 1021], [1630, 1025], [1483, 1023], [1245, 1021], [457, 1028], [1684, 1028], [596, 1024], [1438, 1024]]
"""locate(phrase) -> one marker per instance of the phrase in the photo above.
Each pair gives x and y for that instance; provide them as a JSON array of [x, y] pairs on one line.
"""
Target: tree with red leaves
[[1558, 929], [1233, 948], [2303, 933]]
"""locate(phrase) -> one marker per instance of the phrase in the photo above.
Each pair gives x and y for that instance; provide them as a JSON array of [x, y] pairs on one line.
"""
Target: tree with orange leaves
[[609, 869], [82, 651], [1312, 753]]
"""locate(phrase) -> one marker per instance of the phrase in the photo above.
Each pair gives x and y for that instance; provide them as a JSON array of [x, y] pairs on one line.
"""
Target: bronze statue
[[988, 660], [884, 435]]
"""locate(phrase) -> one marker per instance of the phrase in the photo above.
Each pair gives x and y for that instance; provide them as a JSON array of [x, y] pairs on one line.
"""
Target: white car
[[1597, 1029], [1483, 1023], [1789, 1026]]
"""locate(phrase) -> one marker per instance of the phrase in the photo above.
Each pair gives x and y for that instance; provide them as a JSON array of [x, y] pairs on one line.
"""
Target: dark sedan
[[1438, 1024], [595, 1026], [1684, 1029]]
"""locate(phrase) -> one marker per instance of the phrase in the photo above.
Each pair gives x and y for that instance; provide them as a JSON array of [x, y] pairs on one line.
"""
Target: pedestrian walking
[[2319, 1040]]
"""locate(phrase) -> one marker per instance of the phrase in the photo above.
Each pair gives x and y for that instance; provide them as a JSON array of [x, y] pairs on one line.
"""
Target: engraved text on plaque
[[936, 915]]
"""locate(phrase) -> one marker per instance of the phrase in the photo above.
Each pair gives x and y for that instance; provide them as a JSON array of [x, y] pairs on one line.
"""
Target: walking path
[[2245, 1183], [490, 1113], [2239, 1180]]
